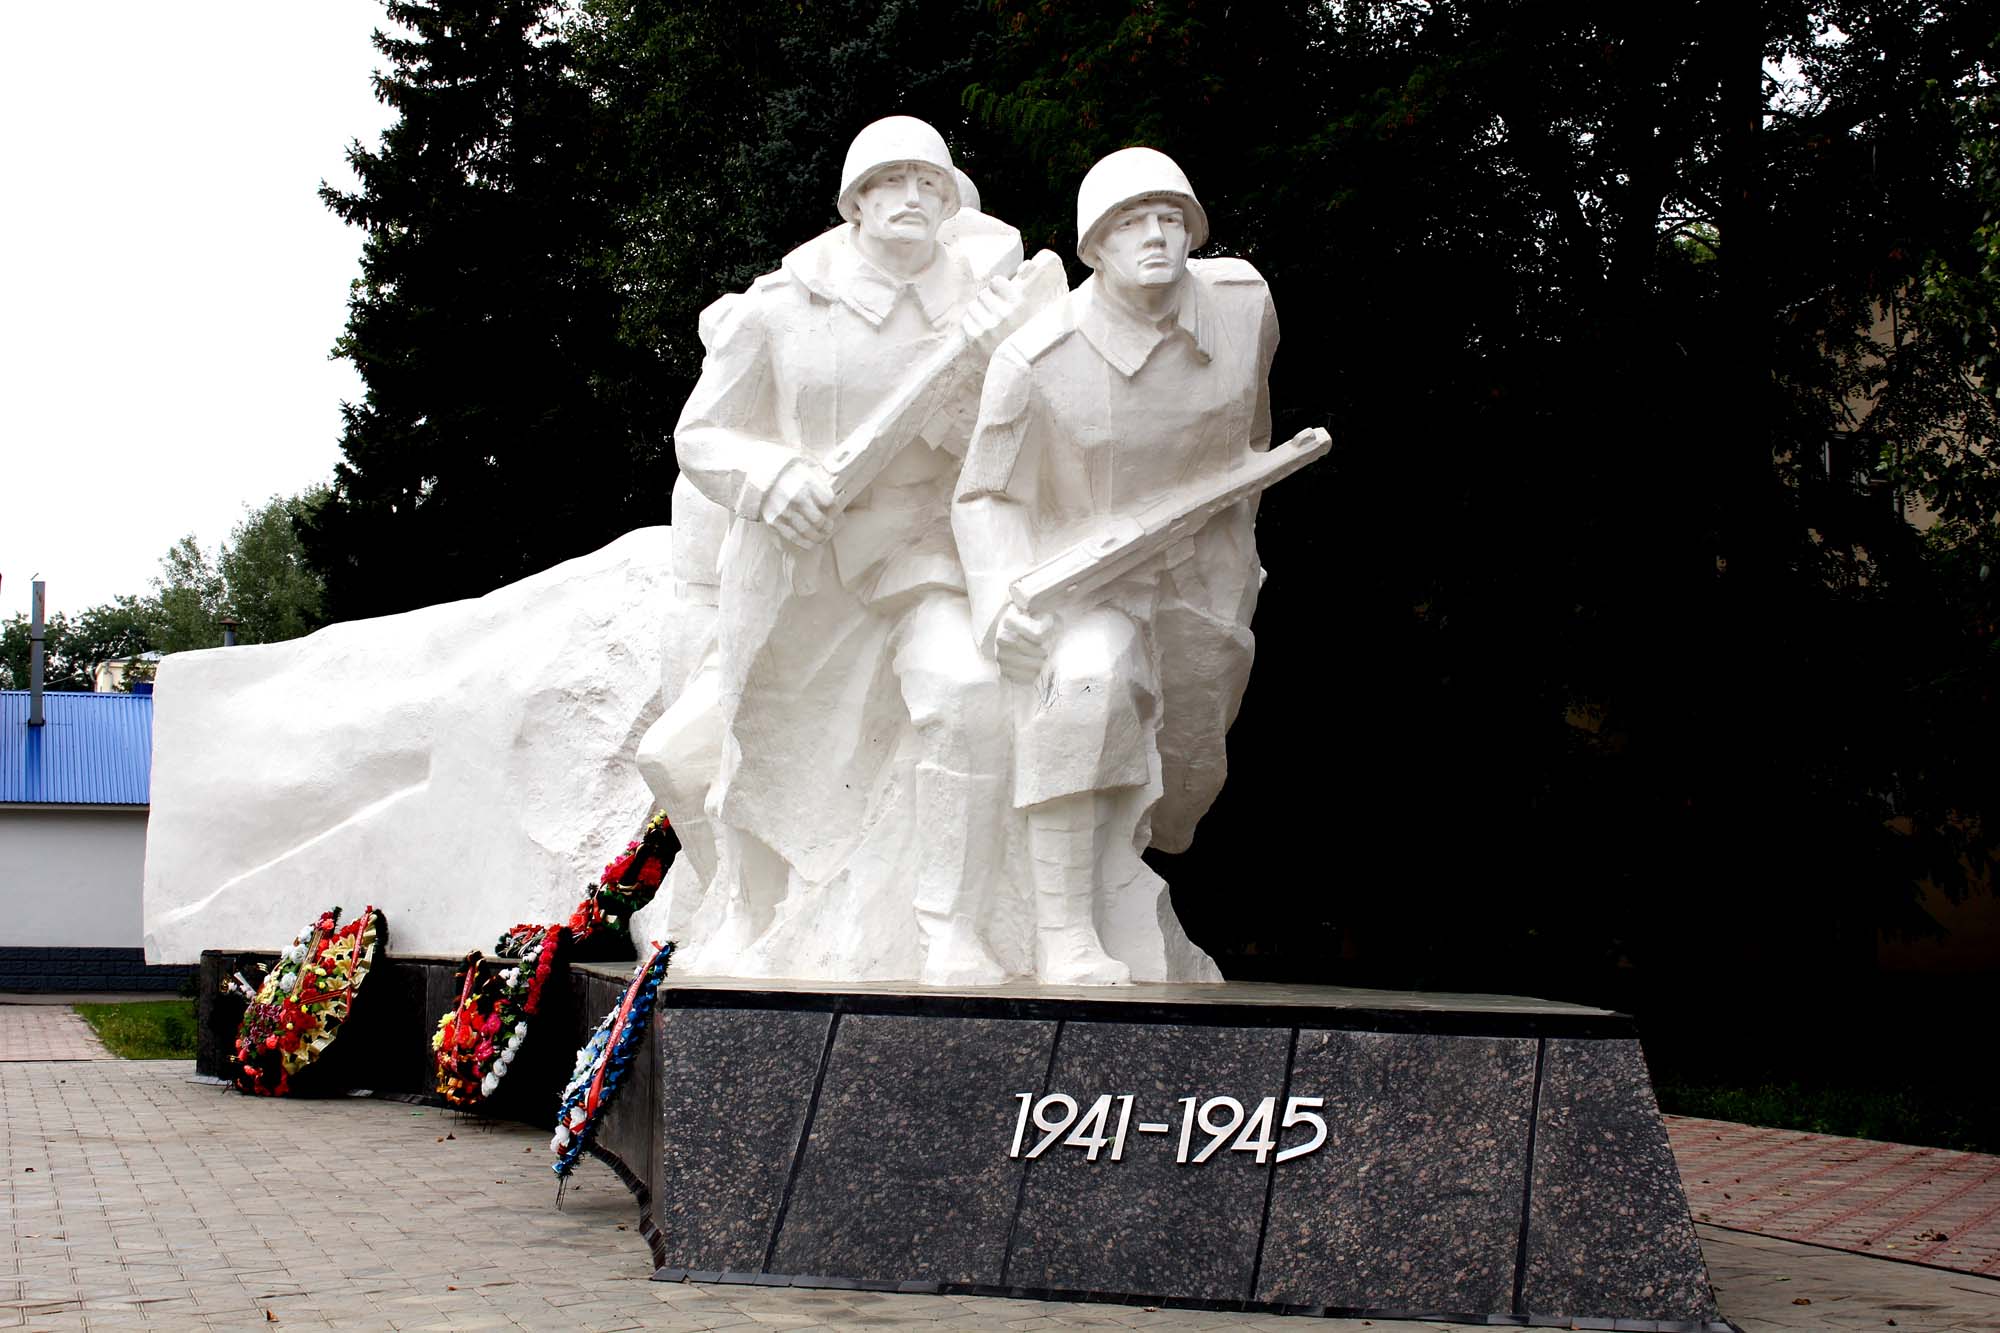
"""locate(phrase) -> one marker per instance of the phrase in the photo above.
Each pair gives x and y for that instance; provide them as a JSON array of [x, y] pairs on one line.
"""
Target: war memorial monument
[[951, 622]]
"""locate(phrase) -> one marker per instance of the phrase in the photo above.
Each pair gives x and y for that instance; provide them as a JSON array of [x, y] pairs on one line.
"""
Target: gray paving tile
[[159, 1203]]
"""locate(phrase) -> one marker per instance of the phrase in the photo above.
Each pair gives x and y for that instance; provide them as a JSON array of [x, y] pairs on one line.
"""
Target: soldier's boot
[[1062, 838], [958, 824]]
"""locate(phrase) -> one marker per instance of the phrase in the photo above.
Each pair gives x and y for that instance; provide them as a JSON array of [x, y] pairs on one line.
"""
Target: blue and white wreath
[[604, 1062]]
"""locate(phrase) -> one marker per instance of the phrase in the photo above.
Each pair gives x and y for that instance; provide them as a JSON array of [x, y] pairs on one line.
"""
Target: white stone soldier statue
[[842, 622], [1151, 379]]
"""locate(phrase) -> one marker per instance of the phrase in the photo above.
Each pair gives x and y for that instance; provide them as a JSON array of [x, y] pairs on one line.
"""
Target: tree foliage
[[259, 577], [73, 646], [267, 584], [1617, 597], [1634, 325], [189, 599], [493, 438]]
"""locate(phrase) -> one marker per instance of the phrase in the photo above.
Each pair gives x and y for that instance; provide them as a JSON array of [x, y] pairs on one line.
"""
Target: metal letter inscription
[[1091, 1128]]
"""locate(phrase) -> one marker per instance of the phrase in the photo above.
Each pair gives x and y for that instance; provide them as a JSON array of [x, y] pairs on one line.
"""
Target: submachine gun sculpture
[[1129, 540]]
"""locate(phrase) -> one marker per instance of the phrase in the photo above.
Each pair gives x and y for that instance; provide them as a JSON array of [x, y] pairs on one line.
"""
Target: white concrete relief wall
[[463, 767]]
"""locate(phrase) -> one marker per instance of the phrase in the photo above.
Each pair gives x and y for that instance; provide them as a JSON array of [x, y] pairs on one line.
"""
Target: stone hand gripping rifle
[[901, 417], [1130, 540]]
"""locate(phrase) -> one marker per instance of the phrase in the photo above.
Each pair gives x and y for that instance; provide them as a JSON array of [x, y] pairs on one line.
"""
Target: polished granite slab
[[1235, 1003], [726, 1159], [1608, 1226], [1415, 1202], [1149, 1222], [1498, 1159], [1156, 992], [918, 1166], [905, 1175]]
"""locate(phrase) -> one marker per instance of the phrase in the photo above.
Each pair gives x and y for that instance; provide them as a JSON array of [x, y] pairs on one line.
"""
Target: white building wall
[[71, 877]]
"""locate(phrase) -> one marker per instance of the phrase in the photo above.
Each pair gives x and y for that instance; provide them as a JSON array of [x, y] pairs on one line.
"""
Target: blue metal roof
[[92, 749]]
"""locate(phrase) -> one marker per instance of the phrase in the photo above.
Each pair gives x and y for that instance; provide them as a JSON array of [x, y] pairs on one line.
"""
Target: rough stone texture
[[725, 1158], [1147, 1225], [1608, 1228], [1415, 1201], [906, 1175], [465, 766]]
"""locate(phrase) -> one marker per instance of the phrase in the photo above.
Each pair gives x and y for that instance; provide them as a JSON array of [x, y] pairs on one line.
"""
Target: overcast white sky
[[173, 283]]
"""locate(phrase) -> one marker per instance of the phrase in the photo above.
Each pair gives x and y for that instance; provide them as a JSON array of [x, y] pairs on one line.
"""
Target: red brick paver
[[1927, 1204], [47, 1032]]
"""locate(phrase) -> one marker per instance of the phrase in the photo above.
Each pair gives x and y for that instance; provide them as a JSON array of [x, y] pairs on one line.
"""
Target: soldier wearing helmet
[[1151, 377], [858, 691]]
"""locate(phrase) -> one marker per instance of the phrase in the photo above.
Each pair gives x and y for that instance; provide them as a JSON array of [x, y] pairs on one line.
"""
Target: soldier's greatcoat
[[1091, 411], [808, 689]]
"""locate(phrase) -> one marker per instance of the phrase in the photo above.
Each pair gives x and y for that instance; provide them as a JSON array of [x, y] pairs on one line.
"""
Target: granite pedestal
[[1483, 1159]]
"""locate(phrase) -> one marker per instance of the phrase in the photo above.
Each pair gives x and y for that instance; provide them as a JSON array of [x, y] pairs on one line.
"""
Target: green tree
[[73, 646], [1616, 606], [267, 583], [491, 440], [1630, 322], [259, 577], [189, 599], [736, 120]]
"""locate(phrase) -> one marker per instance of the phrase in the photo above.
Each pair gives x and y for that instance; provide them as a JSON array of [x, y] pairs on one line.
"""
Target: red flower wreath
[[477, 1042], [294, 1016]]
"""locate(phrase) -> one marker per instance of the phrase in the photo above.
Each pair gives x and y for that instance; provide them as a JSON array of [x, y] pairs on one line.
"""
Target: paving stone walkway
[[1923, 1204], [134, 1197], [47, 1032]]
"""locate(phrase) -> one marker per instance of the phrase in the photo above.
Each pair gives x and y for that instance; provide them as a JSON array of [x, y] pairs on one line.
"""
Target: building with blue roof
[[74, 796]]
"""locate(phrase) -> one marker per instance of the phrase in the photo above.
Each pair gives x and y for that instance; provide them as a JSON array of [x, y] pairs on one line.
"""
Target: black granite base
[[1485, 1160]]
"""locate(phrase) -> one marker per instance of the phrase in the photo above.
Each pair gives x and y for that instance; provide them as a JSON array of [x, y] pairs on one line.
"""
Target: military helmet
[[1128, 175], [968, 193], [885, 143]]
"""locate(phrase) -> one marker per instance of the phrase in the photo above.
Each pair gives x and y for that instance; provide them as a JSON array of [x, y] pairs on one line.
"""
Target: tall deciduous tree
[[189, 599], [267, 584], [73, 646], [259, 576]]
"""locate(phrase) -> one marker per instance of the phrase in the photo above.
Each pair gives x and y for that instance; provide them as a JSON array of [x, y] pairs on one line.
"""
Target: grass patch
[[144, 1029], [1924, 1117]]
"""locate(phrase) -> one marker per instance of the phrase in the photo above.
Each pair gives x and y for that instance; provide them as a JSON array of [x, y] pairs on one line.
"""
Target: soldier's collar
[[831, 268], [1127, 341]]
